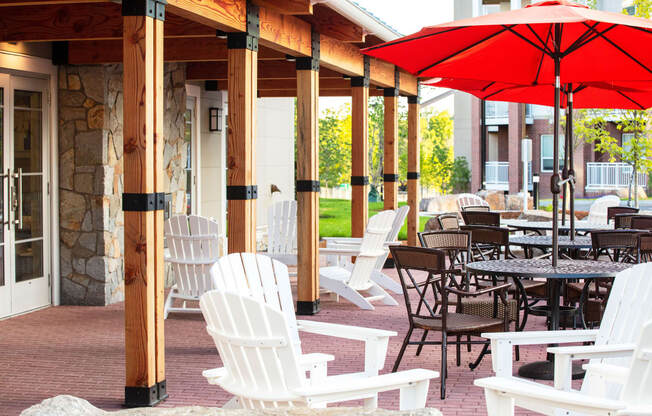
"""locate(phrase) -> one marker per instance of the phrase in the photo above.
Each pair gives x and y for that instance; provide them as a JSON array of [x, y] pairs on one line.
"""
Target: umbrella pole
[[571, 168], [564, 175], [554, 180]]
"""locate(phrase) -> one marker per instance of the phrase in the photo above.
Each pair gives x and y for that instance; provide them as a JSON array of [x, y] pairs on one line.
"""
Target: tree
[[436, 151], [335, 146]]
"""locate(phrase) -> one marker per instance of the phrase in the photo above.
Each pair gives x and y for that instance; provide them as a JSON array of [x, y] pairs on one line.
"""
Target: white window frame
[[626, 137], [193, 93], [550, 137]]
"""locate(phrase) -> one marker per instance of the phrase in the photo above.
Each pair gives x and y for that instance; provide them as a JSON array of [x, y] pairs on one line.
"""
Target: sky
[[405, 16]]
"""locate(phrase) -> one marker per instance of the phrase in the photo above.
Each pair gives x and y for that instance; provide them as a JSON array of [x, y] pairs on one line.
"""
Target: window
[[188, 136], [547, 152], [627, 137]]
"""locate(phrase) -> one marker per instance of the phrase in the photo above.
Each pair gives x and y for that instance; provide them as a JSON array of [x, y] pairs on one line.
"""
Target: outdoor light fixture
[[290, 58], [220, 34], [215, 119]]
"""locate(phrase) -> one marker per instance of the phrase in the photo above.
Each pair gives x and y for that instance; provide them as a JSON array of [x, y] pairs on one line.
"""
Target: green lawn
[[335, 218]]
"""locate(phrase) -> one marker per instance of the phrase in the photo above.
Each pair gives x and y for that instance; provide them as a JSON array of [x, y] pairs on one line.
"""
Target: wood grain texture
[[340, 56], [6, 3], [390, 152], [285, 33], [414, 137], [381, 73], [407, 83], [300, 7], [242, 79], [328, 22], [139, 235], [266, 70], [226, 15], [307, 202], [359, 158]]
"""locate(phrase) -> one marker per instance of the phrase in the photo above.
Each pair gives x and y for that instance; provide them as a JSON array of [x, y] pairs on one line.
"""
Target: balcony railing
[[600, 175], [497, 112], [496, 176]]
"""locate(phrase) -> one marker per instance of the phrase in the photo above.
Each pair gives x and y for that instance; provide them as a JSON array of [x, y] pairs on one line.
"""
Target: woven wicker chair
[[456, 244], [480, 208], [623, 221], [641, 222], [613, 211], [431, 312], [644, 248], [481, 218], [449, 222]]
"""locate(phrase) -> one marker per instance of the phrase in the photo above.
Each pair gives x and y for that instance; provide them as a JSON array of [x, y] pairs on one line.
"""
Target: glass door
[[25, 251], [5, 284]]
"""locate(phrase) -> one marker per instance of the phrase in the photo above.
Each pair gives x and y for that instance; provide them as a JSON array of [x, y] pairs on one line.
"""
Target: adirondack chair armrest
[[311, 359], [503, 342], [564, 357], [548, 396], [351, 388], [329, 251], [343, 240], [214, 374], [613, 373]]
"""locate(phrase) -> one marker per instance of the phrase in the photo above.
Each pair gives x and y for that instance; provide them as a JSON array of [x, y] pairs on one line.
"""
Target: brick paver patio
[[80, 351]]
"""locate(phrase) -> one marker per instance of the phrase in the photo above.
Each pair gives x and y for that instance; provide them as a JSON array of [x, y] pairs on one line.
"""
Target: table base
[[545, 370]]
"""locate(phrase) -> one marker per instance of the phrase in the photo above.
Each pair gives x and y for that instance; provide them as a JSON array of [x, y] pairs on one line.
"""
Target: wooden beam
[[359, 160], [92, 21], [205, 49], [242, 89], [9, 3], [225, 15], [307, 197], [390, 149], [407, 84], [284, 33], [340, 56], [413, 170], [143, 268], [266, 70], [303, 7], [328, 22], [289, 84], [381, 73]]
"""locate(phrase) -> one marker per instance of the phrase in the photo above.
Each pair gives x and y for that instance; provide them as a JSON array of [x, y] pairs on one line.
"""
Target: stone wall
[[90, 176]]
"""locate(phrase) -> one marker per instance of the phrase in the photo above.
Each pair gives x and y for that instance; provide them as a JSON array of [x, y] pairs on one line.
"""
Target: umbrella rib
[[399, 41], [487, 86], [580, 39], [623, 51], [536, 78], [630, 99], [543, 43], [585, 41], [454, 54], [544, 50]]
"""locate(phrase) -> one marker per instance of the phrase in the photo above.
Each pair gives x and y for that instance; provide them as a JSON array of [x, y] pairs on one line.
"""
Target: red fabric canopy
[[623, 94], [518, 46]]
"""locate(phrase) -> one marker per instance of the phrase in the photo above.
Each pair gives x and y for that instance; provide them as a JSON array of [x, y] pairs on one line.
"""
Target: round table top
[[546, 241], [566, 269], [582, 225]]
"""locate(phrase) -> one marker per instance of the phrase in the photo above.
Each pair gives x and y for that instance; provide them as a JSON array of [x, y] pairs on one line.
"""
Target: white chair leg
[[233, 403], [376, 290], [371, 402], [341, 289], [387, 282], [414, 396], [168, 304], [497, 404]]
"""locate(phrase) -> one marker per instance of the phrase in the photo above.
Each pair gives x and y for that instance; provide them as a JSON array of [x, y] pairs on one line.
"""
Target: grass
[[335, 218]]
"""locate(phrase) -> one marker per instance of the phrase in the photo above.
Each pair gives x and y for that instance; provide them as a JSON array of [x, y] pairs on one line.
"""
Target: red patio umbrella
[[550, 42]]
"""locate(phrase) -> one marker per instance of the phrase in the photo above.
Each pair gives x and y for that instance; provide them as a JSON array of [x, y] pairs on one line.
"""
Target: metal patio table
[[542, 268], [540, 227], [528, 242]]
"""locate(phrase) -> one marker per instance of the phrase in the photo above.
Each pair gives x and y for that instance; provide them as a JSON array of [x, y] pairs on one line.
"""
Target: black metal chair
[[623, 221], [641, 222], [431, 312], [644, 248], [613, 211], [455, 243], [481, 218], [449, 222]]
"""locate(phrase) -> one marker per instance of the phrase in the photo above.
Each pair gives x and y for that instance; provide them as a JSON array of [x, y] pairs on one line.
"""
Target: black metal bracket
[[413, 175], [390, 177], [162, 390], [154, 201], [311, 63], [60, 53], [362, 81], [360, 180], [308, 308], [210, 85], [415, 99], [241, 192], [141, 396], [393, 92], [554, 183], [249, 38], [307, 186], [149, 8]]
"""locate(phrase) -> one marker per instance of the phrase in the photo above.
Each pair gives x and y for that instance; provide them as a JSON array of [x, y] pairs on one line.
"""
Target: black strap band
[[307, 186], [311, 63], [362, 81], [413, 99], [413, 175], [359, 180], [154, 201], [390, 177], [149, 8], [249, 38], [241, 192]]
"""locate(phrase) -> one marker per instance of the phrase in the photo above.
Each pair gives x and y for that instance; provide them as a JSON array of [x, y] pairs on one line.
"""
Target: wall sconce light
[[214, 119]]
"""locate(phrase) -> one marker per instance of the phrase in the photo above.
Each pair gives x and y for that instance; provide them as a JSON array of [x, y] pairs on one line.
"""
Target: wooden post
[[307, 185], [390, 160], [360, 152], [242, 84], [413, 169], [143, 201]]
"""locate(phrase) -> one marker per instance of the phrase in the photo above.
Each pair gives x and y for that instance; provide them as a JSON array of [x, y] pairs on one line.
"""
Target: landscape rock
[[624, 193], [515, 202], [65, 405], [443, 203], [496, 200]]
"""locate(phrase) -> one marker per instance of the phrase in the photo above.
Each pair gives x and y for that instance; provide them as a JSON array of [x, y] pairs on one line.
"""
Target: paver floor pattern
[[80, 351]]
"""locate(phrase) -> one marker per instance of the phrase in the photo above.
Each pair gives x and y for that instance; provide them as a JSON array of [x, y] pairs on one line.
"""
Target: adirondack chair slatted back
[[260, 277], [282, 227], [193, 243], [636, 391], [598, 209], [464, 200], [371, 248], [626, 311], [255, 344], [392, 236]]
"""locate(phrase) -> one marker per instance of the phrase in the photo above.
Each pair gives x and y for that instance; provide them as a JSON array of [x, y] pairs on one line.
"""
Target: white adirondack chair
[[351, 280], [267, 280], [392, 238], [468, 200], [282, 232], [262, 363], [626, 311], [193, 244], [502, 394], [598, 209]]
